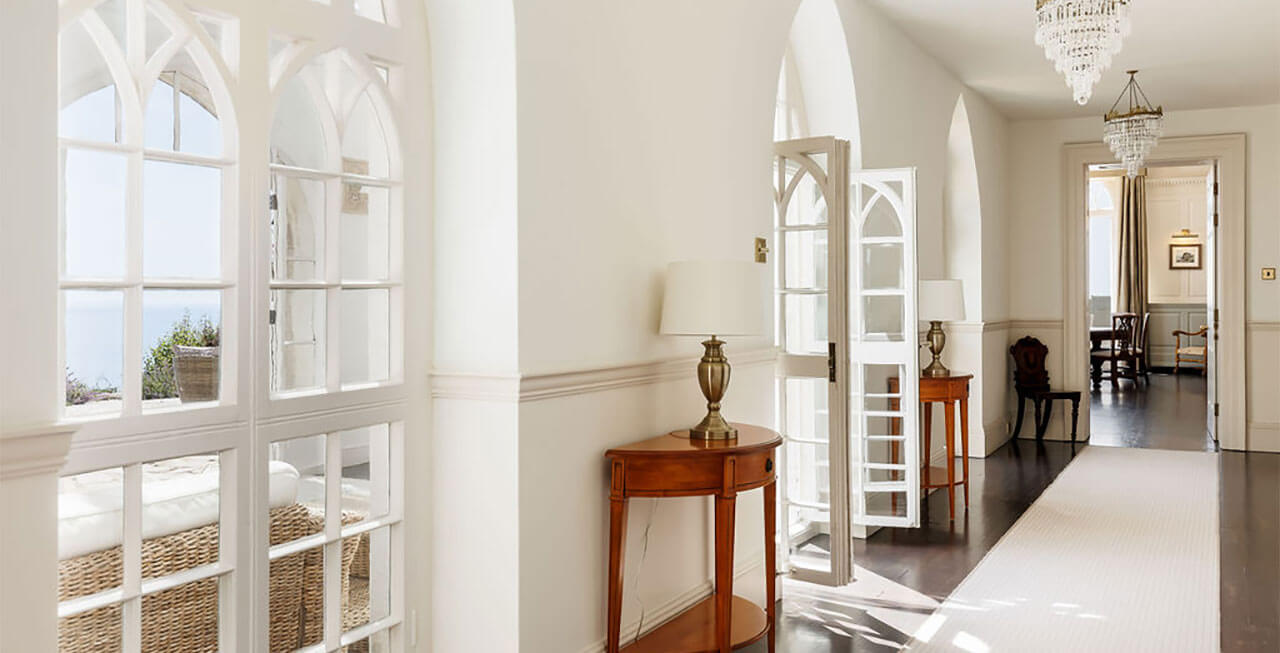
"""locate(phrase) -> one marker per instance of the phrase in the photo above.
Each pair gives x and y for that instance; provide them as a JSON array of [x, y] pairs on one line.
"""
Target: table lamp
[[714, 298], [940, 301]]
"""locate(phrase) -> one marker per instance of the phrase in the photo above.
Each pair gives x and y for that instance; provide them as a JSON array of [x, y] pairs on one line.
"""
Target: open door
[[848, 379], [883, 349], [810, 202], [1210, 265]]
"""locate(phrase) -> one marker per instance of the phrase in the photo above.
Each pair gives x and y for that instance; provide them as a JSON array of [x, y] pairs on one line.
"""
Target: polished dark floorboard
[[934, 559], [1170, 413]]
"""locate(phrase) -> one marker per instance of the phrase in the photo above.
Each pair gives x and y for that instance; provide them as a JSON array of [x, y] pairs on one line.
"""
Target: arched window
[[232, 325], [334, 279], [147, 202]]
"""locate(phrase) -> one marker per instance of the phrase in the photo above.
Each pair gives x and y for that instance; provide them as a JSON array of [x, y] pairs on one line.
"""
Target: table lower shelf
[[938, 477], [694, 630]]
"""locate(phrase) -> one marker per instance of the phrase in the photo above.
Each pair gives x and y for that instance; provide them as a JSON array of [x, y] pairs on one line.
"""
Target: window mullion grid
[[132, 559], [131, 381], [333, 541], [333, 281]]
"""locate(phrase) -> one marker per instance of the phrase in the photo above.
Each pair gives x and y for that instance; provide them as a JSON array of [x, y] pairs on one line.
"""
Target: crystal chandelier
[[1132, 132], [1079, 37]]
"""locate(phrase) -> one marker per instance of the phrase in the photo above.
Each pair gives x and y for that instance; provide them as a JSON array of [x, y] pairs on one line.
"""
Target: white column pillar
[[31, 449]]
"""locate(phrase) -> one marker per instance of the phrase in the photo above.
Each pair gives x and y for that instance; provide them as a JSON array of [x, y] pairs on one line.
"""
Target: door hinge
[[1215, 189], [831, 362], [1217, 409], [273, 202], [1215, 218]]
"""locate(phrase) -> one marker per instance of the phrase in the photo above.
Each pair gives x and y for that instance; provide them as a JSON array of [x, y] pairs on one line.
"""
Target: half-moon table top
[[678, 443]]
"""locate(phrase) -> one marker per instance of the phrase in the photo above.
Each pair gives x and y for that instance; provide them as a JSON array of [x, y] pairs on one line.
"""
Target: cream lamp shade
[[942, 300], [720, 298]]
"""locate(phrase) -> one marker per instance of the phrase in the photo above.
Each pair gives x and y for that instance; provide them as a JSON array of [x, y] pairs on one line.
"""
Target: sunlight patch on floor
[[899, 608]]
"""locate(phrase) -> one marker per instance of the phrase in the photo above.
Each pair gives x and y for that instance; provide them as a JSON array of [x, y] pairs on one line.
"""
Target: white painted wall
[[1174, 203], [1036, 265]]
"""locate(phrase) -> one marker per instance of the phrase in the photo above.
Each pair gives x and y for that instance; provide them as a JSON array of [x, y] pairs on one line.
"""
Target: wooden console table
[[673, 465], [948, 391]]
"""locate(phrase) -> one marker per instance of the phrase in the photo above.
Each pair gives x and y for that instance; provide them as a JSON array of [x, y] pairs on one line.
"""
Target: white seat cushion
[[177, 495], [1192, 351]]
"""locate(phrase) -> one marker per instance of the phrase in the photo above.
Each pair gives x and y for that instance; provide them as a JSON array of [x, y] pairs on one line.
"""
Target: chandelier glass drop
[[1080, 37], [1132, 132]]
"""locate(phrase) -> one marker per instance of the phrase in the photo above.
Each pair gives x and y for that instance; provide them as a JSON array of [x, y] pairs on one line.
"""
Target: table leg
[[927, 455], [771, 559], [964, 446], [617, 540], [724, 571], [949, 443]]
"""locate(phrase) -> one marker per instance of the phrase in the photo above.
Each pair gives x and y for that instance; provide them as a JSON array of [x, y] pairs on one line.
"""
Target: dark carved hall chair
[[1031, 381]]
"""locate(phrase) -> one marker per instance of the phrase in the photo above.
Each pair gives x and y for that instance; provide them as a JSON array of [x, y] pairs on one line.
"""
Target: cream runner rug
[[1120, 553]]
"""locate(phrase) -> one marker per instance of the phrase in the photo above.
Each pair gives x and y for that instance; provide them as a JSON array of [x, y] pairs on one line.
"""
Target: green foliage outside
[[158, 381]]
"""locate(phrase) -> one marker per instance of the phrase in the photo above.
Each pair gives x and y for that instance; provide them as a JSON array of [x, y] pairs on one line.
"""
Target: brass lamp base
[[713, 377], [937, 340]]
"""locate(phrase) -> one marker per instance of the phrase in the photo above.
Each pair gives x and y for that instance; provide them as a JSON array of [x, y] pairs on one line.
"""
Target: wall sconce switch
[[762, 250]]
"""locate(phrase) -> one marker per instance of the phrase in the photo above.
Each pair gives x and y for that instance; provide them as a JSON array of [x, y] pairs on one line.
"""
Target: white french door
[[844, 331], [883, 343], [810, 201]]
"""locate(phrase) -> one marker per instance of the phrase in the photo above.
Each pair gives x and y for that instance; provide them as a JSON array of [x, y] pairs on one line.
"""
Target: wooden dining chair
[[1031, 381], [1122, 354], [1193, 354]]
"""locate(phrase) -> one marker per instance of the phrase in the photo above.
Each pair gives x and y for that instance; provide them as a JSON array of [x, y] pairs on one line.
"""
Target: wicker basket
[[196, 371], [185, 619]]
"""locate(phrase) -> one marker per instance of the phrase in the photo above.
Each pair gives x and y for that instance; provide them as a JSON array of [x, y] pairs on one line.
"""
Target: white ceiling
[[1193, 54]]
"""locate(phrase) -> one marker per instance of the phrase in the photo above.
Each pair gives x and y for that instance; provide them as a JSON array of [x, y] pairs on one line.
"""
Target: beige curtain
[[1131, 247]]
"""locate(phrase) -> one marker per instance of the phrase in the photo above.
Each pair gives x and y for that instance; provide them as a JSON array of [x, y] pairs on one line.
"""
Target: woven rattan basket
[[185, 619], [196, 371]]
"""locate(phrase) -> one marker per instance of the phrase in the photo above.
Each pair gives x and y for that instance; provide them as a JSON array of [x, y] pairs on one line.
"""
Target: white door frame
[[1229, 151]]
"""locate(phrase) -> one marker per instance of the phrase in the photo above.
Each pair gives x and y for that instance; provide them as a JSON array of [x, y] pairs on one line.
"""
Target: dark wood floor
[[935, 558]]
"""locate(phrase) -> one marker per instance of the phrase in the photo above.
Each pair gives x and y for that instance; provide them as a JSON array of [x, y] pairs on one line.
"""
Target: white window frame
[[247, 418]]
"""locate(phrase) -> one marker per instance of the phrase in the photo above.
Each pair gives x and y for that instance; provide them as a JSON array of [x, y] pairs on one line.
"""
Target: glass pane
[[365, 472], [94, 346], [157, 33], [807, 416], [87, 92], [379, 642], [368, 594], [180, 518], [885, 504], [90, 523], [297, 252], [365, 235], [882, 267], [295, 596], [181, 339], [297, 133], [807, 205], [181, 224], [806, 258], [881, 221], [371, 9], [806, 323], [94, 190], [808, 474], [184, 618], [809, 538], [298, 339], [366, 335], [882, 317], [364, 141], [295, 476], [113, 14], [95, 630], [214, 27], [181, 115]]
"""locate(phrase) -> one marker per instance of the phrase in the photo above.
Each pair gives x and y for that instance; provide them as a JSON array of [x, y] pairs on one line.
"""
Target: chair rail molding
[[549, 385], [40, 450]]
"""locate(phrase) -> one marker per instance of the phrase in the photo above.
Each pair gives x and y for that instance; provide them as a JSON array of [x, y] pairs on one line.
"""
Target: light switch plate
[[1268, 274]]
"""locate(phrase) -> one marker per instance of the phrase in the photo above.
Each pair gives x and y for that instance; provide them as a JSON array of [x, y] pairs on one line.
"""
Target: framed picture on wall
[[1184, 257]]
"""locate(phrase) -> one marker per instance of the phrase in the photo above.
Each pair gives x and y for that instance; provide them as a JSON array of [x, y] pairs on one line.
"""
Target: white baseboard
[[673, 607], [1264, 437]]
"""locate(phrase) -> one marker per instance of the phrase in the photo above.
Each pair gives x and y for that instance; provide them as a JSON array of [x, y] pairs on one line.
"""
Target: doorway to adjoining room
[[1149, 264]]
